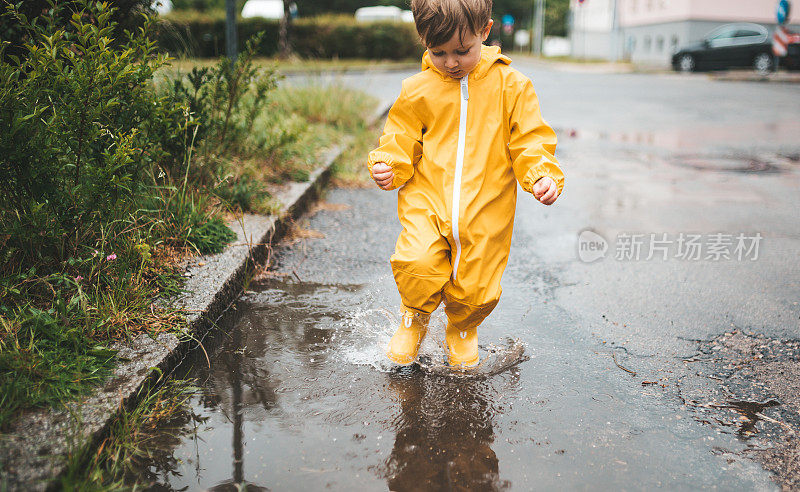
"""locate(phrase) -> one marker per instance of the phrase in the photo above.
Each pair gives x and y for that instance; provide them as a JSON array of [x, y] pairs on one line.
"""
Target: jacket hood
[[489, 56]]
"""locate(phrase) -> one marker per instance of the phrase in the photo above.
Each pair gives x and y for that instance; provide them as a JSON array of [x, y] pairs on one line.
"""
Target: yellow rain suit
[[455, 147]]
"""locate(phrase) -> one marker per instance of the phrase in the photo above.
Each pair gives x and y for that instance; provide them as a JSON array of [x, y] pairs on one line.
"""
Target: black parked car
[[738, 45]]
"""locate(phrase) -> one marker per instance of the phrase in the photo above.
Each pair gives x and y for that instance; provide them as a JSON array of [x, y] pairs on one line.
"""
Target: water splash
[[365, 334]]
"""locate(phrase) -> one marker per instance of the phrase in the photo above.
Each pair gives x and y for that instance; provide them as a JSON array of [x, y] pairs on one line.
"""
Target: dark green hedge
[[318, 37]]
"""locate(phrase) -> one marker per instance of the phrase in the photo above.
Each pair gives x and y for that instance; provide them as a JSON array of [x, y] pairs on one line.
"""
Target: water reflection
[[444, 434], [236, 382], [268, 344], [278, 368]]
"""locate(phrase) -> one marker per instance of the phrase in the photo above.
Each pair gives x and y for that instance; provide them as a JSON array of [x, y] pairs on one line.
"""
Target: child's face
[[458, 57]]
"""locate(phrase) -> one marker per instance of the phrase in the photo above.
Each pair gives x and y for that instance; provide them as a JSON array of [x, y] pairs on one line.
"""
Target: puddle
[[748, 385], [303, 364], [726, 164], [495, 359], [366, 347], [693, 138], [751, 410]]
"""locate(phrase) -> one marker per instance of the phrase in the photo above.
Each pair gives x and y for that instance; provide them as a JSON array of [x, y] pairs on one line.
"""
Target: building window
[[647, 43], [673, 43], [659, 44], [631, 44]]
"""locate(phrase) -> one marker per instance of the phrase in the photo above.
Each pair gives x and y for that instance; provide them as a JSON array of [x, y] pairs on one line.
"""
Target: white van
[[379, 13], [269, 9]]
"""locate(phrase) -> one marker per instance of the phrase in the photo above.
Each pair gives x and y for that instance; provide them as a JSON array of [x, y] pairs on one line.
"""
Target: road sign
[[779, 41], [782, 11], [522, 38], [508, 24], [580, 2]]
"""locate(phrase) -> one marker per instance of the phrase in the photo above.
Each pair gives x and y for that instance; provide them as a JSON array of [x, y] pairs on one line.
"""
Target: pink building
[[650, 31]]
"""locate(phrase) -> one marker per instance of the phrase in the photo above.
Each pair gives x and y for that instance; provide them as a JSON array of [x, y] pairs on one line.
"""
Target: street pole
[[583, 30], [231, 40], [538, 33], [614, 33]]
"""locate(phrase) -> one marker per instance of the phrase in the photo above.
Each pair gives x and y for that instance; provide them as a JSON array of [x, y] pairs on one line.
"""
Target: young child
[[455, 140]]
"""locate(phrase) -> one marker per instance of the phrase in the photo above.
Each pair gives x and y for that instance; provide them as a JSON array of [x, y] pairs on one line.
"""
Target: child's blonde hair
[[438, 20]]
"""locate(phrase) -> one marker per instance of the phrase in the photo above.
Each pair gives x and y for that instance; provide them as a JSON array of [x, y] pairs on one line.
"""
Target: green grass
[[299, 65], [350, 169], [138, 436], [315, 118], [46, 364], [342, 108], [53, 352]]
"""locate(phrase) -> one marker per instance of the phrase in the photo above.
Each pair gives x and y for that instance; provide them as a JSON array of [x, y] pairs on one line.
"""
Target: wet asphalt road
[[628, 374]]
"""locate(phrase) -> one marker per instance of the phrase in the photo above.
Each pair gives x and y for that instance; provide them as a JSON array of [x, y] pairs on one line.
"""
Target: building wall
[[759, 11], [592, 15], [592, 24], [654, 44], [639, 12], [592, 45], [650, 31]]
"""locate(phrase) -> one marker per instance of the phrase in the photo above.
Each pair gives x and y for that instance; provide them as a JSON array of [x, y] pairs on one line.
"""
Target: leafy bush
[[127, 14], [227, 98], [82, 132], [203, 35], [78, 131], [234, 100]]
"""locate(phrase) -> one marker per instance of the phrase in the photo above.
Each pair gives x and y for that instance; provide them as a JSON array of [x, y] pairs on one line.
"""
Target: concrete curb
[[34, 451], [779, 77]]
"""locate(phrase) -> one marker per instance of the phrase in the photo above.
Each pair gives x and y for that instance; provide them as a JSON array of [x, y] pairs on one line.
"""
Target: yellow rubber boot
[[404, 345], [462, 346]]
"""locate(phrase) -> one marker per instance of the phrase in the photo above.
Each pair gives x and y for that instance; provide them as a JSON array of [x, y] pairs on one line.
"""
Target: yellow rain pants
[[457, 149]]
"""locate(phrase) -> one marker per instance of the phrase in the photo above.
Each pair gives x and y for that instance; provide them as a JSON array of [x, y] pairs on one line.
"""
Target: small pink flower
[[111, 257], [78, 278], [95, 253]]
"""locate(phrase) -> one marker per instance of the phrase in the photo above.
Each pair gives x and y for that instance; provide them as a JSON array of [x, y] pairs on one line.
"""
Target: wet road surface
[[636, 373], [302, 377]]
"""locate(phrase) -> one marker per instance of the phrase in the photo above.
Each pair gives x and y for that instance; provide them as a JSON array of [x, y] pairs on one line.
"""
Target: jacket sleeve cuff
[[377, 156], [541, 171]]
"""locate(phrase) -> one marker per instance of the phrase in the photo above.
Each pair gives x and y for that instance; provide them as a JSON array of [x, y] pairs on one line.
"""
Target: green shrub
[[227, 98], [80, 128], [234, 101], [127, 15], [203, 35]]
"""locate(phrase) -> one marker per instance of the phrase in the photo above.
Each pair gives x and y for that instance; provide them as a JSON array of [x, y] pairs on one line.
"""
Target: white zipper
[[462, 134]]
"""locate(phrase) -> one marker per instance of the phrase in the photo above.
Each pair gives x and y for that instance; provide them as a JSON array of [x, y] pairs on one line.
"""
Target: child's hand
[[383, 175], [545, 190]]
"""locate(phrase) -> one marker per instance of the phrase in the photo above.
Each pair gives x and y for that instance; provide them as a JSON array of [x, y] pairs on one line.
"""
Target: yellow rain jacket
[[456, 147]]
